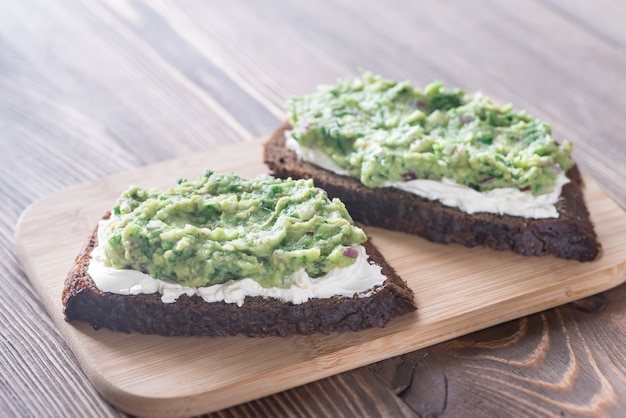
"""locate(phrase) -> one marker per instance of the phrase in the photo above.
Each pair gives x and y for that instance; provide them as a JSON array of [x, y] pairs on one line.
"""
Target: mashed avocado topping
[[381, 131], [222, 227]]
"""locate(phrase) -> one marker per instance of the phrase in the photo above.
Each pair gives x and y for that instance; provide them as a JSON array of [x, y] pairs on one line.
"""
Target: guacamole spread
[[382, 131], [222, 227]]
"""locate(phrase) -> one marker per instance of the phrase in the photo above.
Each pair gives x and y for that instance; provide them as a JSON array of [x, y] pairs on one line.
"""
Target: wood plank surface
[[93, 88], [458, 290]]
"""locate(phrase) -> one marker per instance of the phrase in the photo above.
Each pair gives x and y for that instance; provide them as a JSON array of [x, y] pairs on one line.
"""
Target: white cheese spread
[[359, 278], [504, 201]]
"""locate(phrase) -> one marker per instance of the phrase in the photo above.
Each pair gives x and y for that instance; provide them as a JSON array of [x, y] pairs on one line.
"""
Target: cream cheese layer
[[357, 279], [503, 201]]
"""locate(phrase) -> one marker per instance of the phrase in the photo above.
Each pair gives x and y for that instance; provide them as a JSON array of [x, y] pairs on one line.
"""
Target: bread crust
[[570, 236], [258, 317]]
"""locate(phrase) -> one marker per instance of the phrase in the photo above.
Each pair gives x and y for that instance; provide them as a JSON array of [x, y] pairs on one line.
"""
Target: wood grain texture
[[457, 290], [92, 88]]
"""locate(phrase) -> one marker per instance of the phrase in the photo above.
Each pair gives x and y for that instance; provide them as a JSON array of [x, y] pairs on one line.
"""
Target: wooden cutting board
[[458, 290]]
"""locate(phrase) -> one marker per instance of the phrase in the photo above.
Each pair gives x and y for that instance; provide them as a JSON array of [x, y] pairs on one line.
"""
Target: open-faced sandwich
[[438, 163], [224, 255]]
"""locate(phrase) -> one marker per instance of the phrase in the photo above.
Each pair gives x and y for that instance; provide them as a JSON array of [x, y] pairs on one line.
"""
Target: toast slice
[[257, 317], [570, 236]]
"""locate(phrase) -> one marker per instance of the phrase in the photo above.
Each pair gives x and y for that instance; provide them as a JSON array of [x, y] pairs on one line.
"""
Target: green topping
[[224, 227], [383, 131]]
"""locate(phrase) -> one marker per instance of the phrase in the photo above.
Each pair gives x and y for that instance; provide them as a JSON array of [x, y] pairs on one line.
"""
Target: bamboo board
[[458, 290]]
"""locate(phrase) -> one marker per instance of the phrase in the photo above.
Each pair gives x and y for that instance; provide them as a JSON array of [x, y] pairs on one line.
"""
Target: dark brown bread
[[569, 236], [258, 317]]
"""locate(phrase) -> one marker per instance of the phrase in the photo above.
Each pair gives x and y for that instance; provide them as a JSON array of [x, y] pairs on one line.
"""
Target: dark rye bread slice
[[570, 236], [258, 317]]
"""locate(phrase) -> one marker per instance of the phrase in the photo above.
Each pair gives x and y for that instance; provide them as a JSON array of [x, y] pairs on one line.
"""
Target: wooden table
[[92, 88]]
